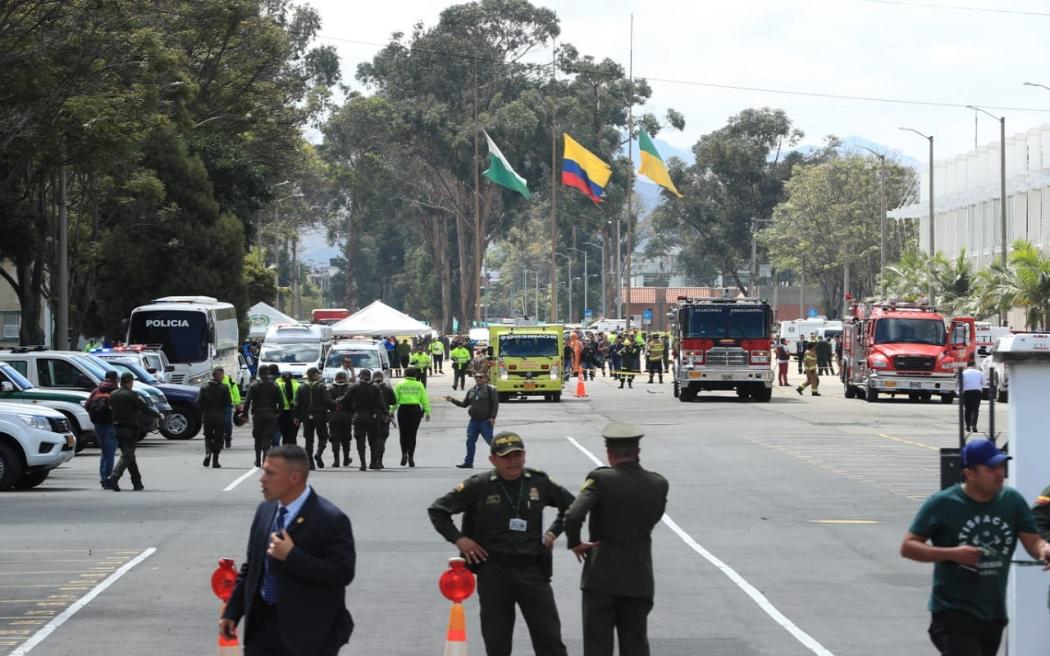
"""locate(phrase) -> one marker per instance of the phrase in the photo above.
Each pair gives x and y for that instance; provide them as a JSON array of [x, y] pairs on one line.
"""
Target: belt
[[514, 560]]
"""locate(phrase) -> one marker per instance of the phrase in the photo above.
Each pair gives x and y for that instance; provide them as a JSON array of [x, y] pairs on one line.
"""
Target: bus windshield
[[528, 346], [182, 334], [358, 359], [910, 331], [725, 321], [290, 353]]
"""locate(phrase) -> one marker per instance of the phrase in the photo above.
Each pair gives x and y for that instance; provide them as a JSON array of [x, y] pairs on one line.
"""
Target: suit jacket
[[624, 503], [311, 582]]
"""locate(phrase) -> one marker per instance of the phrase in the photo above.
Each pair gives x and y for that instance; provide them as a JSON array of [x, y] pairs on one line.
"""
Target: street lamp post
[[601, 246], [1002, 176], [882, 219], [933, 250], [583, 306], [568, 265]]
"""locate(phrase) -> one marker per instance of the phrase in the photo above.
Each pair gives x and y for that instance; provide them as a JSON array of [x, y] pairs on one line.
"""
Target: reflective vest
[[411, 392], [235, 389], [286, 402]]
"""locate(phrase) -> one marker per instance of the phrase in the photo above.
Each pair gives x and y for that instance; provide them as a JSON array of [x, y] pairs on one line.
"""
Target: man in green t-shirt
[[969, 532]]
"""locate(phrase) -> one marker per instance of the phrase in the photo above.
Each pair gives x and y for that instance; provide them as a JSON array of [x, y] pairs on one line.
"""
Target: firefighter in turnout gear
[[655, 358], [312, 404], [339, 421]]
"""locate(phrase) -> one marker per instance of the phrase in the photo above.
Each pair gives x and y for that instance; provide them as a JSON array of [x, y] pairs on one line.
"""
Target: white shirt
[[972, 379]]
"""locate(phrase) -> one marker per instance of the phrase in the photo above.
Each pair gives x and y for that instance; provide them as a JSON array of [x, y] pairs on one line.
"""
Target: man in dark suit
[[291, 589], [624, 502]]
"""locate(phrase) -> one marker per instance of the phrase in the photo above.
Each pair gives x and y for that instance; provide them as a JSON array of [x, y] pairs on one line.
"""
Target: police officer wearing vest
[[263, 402], [410, 406], [437, 351], [503, 541], [460, 359], [312, 403], [339, 420], [288, 420], [624, 501], [214, 401]]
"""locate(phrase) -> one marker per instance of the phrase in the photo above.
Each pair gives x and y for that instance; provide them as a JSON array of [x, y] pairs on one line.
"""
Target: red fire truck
[[722, 344], [895, 347]]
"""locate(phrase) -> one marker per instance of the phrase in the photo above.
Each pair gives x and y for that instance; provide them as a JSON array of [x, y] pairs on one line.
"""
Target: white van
[[609, 325], [295, 347], [800, 329], [363, 353]]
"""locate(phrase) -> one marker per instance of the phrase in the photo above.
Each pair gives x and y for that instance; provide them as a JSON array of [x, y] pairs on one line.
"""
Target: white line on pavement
[[751, 591], [60, 619], [240, 479]]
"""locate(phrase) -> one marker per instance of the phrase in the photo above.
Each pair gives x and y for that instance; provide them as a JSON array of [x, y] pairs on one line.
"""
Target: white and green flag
[[501, 172]]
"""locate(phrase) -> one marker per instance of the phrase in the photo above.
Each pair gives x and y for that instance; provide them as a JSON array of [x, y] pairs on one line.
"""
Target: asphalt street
[[781, 535]]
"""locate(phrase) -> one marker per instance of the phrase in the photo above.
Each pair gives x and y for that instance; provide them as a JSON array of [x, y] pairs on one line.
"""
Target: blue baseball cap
[[982, 452]]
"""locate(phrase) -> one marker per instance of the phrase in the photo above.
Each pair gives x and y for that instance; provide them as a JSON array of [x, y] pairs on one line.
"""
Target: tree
[[737, 180], [953, 281], [830, 220], [1024, 283]]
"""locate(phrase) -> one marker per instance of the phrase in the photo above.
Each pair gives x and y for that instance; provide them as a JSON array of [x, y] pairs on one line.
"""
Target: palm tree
[[1024, 282], [953, 280]]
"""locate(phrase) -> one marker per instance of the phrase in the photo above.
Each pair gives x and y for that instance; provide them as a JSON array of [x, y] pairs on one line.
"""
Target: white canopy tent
[[377, 320], [261, 316]]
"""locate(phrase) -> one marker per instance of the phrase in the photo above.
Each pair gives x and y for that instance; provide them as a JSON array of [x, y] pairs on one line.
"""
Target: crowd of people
[[620, 355]]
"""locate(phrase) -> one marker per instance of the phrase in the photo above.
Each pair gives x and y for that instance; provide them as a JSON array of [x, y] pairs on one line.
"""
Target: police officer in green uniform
[[624, 501], [339, 420], [126, 405], [264, 402], [503, 540], [312, 403], [214, 400]]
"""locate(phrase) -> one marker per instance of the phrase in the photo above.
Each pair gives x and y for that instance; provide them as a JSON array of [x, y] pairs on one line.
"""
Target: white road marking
[[61, 618], [240, 479], [751, 591]]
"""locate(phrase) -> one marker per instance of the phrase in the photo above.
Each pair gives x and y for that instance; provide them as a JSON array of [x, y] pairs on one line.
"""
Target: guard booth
[[1027, 358]]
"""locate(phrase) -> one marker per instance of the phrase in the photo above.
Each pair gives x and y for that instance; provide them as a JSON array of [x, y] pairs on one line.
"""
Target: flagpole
[[630, 171], [554, 185], [477, 209]]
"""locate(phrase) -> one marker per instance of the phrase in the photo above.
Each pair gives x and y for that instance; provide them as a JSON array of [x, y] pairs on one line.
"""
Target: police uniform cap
[[622, 434], [507, 442]]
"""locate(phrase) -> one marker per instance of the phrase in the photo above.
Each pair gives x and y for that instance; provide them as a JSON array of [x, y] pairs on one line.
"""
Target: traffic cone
[[581, 391], [456, 640]]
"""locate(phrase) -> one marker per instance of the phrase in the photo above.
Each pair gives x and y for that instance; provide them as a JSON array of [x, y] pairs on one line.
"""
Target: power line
[[737, 87], [929, 5]]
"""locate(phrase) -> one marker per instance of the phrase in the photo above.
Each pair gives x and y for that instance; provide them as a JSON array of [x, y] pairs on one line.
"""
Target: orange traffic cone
[[456, 640], [581, 391]]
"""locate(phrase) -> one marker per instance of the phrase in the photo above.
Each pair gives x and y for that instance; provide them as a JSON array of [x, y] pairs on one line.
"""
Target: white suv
[[33, 441]]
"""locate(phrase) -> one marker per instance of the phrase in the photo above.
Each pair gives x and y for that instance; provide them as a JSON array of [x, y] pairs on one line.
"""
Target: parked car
[[244, 375], [73, 370], [149, 357], [363, 354], [997, 377], [15, 388], [184, 421], [33, 441]]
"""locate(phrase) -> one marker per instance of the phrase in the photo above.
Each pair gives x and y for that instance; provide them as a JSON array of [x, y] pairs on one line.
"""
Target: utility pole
[[933, 249], [554, 184], [882, 220], [61, 337], [630, 169], [296, 300], [477, 208], [753, 273]]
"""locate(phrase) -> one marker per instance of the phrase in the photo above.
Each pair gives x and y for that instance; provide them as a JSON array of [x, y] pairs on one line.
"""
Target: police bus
[[196, 333]]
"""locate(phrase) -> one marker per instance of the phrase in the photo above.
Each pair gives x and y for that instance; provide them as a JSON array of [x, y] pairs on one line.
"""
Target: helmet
[[240, 419]]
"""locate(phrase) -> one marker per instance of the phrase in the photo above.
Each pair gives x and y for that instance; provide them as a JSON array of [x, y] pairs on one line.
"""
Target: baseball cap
[[982, 452], [506, 442]]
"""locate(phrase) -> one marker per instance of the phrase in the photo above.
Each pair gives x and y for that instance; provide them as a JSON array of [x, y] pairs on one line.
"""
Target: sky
[[921, 50]]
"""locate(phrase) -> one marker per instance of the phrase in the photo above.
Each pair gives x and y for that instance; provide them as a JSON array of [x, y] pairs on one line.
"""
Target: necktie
[[269, 588]]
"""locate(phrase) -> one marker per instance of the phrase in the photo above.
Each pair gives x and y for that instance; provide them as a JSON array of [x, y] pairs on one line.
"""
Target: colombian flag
[[582, 169]]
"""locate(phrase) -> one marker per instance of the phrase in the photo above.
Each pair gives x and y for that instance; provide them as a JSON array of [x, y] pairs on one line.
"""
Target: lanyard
[[514, 504]]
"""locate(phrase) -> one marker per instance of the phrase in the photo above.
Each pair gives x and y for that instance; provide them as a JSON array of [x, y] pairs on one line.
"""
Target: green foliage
[[1024, 283], [954, 283], [830, 219]]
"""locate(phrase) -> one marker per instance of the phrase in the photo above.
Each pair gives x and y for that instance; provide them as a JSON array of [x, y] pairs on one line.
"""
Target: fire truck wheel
[[687, 394], [762, 394], [947, 398], [743, 393], [871, 395]]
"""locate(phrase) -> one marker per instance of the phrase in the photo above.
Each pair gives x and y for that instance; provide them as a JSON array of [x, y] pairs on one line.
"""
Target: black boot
[[404, 459], [215, 462], [258, 462], [346, 457], [411, 460], [319, 460], [361, 457], [207, 458]]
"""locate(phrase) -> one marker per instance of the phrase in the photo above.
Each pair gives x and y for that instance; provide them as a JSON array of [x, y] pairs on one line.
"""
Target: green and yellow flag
[[653, 166]]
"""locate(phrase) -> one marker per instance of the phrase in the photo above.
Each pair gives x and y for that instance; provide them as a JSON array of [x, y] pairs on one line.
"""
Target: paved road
[[782, 533]]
